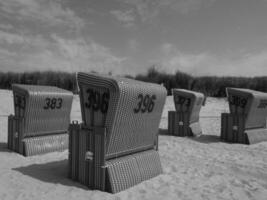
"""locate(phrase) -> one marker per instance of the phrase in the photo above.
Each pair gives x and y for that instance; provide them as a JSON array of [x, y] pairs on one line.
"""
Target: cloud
[[202, 64], [36, 52], [186, 6], [48, 12], [10, 38], [6, 26], [133, 45], [148, 10], [87, 55], [27, 52], [127, 17], [36, 40]]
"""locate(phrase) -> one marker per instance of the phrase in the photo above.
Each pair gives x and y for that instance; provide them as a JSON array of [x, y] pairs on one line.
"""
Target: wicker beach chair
[[115, 147], [246, 122], [41, 120], [185, 120]]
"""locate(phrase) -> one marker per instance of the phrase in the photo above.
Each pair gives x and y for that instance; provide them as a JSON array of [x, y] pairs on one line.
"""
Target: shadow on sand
[[164, 132], [53, 172], [3, 147], [202, 138], [206, 139]]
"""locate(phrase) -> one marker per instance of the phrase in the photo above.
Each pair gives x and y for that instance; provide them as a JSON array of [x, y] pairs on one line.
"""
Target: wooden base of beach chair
[[89, 165], [29, 146], [233, 130], [15, 128], [179, 125]]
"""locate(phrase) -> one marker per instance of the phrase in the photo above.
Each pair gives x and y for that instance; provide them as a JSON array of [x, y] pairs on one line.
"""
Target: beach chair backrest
[[130, 110], [187, 101], [250, 103], [45, 109]]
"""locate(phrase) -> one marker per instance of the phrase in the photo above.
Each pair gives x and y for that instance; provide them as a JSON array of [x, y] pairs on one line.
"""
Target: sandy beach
[[193, 168]]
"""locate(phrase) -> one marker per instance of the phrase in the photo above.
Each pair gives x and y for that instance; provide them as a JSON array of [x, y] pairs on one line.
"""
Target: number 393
[[145, 103]]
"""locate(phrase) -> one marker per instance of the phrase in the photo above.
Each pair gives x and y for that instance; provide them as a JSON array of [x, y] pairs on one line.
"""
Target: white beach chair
[[116, 145], [246, 122], [41, 120], [185, 120]]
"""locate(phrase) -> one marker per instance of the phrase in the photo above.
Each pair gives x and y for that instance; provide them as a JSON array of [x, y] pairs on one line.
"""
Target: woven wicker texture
[[188, 101], [46, 109], [130, 170], [45, 144], [148, 164], [250, 103], [127, 130], [87, 163], [256, 135], [123, 173]]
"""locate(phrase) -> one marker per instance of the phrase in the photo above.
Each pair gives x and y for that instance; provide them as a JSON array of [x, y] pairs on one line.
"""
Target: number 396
[[97, 101], [145, 104]]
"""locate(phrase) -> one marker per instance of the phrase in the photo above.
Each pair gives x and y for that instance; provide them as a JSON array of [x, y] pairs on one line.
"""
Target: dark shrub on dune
[[209, 85]]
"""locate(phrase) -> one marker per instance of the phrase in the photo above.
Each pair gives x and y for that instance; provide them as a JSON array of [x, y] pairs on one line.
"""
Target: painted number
[[53, 103], [145, 103], [96, 101], [182, 100], [20, 102], [237, 101], [262, 104]]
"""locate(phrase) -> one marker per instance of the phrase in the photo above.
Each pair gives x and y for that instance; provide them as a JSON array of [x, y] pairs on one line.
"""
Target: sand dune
[[194, 168]]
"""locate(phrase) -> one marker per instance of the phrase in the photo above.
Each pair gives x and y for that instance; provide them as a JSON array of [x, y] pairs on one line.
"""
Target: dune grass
[[213, 86]]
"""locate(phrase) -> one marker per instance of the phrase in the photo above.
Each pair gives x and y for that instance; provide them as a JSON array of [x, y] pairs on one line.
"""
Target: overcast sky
[[200, 37]]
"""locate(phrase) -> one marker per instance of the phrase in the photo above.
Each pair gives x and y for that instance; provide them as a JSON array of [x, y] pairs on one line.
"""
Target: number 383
[[145, 104]]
